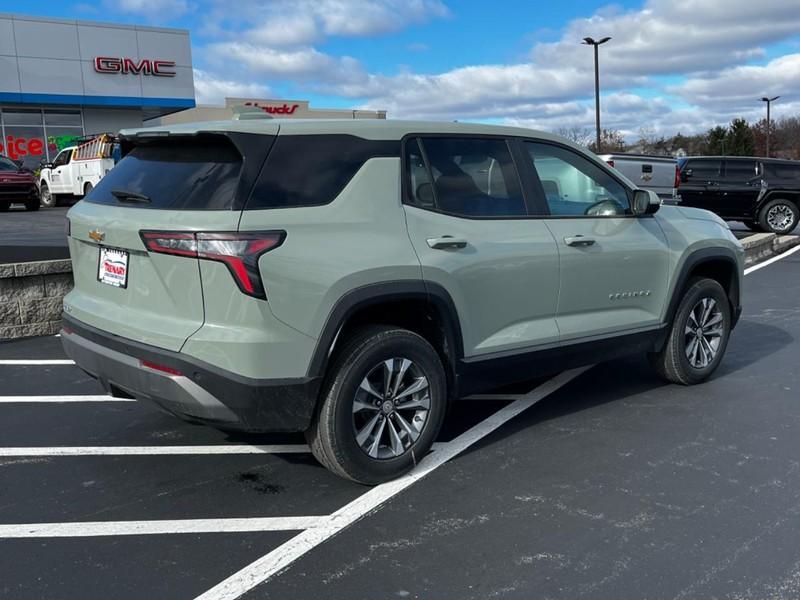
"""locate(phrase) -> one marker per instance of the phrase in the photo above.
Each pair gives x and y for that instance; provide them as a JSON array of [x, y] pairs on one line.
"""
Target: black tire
[[753, 225], [47, 199], [767, 220], [4, 205], [32, 204], [86, 189], [672, 363], [332, 435]]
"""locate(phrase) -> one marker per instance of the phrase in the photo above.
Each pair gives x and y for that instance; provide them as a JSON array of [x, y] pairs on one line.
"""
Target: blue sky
[[672, 65]]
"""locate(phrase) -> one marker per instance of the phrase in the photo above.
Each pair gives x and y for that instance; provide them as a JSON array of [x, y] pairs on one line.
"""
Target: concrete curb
[[761, 246]]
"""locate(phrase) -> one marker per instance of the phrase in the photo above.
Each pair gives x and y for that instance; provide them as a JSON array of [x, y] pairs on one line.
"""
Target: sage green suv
[[351, 279]]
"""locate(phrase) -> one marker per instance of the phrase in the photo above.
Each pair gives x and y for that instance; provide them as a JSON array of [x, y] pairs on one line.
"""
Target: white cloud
[[210, 90], [296, 64], [742, 86]]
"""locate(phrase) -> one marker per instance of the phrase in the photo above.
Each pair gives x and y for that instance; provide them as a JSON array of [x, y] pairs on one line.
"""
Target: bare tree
[[579, 135]]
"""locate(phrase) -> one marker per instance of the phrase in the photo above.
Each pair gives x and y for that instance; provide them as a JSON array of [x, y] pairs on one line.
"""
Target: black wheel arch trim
[[696, 259], [378, 293]]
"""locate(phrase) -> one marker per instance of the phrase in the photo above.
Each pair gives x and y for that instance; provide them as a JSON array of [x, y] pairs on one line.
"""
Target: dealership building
[[61, 79]]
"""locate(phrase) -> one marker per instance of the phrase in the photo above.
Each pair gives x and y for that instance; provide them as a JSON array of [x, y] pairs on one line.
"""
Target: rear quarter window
[[311, 170], [192, 174], [782, 171]]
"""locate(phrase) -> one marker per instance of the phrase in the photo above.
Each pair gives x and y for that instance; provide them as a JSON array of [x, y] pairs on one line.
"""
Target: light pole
[[591, 42], [768, 101]]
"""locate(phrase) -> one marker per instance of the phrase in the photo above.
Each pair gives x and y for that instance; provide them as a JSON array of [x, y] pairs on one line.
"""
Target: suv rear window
[[311, 170], [192, 174]]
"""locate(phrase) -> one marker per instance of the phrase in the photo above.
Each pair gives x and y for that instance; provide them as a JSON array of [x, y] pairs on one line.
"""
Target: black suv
[[764, 193]]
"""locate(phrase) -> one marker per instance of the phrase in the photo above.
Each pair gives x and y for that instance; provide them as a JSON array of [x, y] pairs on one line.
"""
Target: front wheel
[[698, 336], [382, 405], [779, 216], [47, 198]]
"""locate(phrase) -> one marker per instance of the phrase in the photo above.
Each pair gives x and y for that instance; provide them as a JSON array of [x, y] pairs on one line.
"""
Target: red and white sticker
[[113, 268]]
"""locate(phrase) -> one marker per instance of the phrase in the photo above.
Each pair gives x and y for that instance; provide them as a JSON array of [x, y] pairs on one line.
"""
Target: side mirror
[[645, 202]]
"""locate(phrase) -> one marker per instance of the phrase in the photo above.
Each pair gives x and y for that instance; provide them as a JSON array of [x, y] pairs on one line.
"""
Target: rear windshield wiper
[[127, 196]]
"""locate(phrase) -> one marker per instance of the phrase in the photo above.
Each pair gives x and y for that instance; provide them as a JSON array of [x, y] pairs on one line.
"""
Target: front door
[[738, 188], [59, 174], [699, 183], [469, 226], [614, 265]]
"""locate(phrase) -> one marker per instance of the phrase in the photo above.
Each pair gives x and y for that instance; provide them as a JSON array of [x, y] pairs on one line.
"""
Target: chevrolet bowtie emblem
[[97, 235]]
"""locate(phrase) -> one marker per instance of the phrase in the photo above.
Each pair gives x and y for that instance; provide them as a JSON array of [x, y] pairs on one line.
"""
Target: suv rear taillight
[[239, 251], [677, 177]]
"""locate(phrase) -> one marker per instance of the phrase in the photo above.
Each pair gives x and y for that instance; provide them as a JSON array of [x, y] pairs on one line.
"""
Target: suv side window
[[472, 177], [575, 186], [740, 171], [782, 171], [700, 171], [312, 170]]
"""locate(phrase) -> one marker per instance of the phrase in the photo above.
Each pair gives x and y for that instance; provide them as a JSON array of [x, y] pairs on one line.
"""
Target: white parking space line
[[265, 567], [789, 252], [26, 362], [154, 450], [108, 528], [62, 399]]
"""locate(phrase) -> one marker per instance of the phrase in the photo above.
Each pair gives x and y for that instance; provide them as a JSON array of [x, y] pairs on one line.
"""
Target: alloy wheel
[[780, 217], [704, 330], [391, 408]]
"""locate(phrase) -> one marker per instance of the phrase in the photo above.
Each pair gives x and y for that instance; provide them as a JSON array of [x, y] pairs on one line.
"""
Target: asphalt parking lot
[[600, 484]]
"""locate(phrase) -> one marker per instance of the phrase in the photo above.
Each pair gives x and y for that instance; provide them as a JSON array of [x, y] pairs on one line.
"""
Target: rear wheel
[[47, 199], [381, 407], [86, 189], [779, 216], [4, 205], [698, 336], [32, 204]]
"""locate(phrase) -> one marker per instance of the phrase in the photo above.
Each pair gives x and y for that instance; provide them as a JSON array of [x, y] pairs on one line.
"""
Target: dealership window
[[34, 136], [63, 128]]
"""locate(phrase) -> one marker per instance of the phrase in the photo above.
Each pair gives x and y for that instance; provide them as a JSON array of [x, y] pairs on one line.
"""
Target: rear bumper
[[197, 391]]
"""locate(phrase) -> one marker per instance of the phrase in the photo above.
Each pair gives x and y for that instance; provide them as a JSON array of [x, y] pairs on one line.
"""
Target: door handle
[[447, 242], [578, 240]]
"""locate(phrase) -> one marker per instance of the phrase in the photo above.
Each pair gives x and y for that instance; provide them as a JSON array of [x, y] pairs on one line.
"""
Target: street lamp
[[591, 42], [768, 101]]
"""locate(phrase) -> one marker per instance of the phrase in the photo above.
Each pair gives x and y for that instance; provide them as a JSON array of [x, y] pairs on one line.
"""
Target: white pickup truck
[[76, 170], [657, 173]]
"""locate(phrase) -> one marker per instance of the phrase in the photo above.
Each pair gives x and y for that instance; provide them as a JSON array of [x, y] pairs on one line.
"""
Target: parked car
[[17, 185], [76, 170], [350, 279], [657, 173], [763, 193]]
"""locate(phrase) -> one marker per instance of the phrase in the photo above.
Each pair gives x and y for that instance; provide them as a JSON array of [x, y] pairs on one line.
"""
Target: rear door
[[614, 265], [177, 186], [470, 228]]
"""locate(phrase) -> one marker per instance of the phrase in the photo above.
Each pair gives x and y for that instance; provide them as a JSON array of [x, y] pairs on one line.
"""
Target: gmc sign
[[146, 66]]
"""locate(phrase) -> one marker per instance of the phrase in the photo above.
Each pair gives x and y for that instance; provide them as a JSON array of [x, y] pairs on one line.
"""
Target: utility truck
[[77, 169]]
